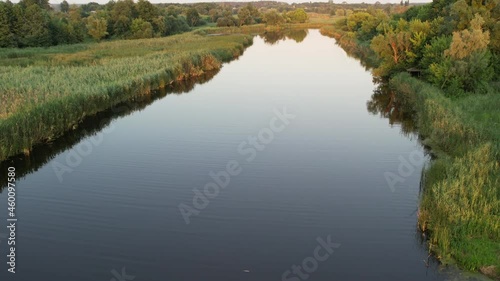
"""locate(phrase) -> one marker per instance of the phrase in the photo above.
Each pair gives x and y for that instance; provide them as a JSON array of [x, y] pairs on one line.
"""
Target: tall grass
[[460, 206], [57, 90]]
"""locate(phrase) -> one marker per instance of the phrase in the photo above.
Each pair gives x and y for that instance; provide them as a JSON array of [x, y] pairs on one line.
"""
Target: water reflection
[[273, 37], [42, 154], [384, 102]]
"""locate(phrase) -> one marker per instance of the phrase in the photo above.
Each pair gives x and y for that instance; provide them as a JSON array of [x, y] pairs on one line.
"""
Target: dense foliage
[[33, 23], [454, 45]]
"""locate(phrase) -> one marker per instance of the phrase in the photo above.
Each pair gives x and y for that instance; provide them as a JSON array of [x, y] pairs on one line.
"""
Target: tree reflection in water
[[273, 37], [384, 102]]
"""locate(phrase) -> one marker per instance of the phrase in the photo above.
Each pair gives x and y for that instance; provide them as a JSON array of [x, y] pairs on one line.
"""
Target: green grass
[[53, 89], [460, 206]]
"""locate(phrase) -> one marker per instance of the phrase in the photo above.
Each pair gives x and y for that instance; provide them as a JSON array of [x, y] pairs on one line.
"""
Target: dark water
[[103, 203]]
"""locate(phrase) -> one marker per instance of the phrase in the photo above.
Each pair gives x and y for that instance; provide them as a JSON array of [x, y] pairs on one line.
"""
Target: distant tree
[[192, 17], [174, 25], [226, 21], [44, 4], [298, 16], [173, 10], [64, 6], [121, 17], [147, 11], [340, 12], [87, 9], [141, 29], [34, 29], [248, 15], [7, 22], [97, 27], [272, 17], [214, 14]]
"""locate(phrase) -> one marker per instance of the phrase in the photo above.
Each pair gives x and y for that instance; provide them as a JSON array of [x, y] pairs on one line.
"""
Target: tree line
[[454, 45], [36, 23]]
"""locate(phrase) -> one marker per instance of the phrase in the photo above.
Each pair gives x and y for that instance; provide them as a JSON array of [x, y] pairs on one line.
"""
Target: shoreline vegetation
[[459, 121], [47, 92], [61, 87], [452, 46]]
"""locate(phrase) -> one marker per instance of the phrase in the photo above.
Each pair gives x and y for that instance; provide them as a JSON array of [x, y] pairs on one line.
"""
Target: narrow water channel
[[283, 166]]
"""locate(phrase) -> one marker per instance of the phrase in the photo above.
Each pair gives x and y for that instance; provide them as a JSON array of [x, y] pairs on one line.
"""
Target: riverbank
[[460, 205], [48, 91]]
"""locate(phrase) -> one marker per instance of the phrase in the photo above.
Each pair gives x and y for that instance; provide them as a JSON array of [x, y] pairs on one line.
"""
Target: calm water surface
[[319, 176]]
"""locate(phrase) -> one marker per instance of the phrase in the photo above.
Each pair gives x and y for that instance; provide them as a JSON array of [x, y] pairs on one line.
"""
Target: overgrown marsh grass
[[55, 88], [460, 205]]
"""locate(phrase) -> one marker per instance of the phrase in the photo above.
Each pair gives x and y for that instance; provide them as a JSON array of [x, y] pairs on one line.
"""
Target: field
[[48, 91]]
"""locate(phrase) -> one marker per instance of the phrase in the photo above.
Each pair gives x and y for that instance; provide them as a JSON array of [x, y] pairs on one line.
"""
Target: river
[[279, 167]]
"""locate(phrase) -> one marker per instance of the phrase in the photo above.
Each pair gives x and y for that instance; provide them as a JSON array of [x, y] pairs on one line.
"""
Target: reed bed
[[58, 89]]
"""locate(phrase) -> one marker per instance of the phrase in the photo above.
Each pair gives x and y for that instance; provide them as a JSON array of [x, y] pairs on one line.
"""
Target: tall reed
[[57, 90]]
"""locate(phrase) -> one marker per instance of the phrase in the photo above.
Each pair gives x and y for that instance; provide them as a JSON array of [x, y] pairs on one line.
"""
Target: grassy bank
[[460, 206], [48, 91]]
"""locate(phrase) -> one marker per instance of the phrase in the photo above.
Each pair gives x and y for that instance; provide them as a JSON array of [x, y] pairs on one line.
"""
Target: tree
[[272, 17], [174, 25], [97, 27], [298, 16], [192, 17], [248, 15], [214, 14], [340, 12], [141, 29], [34, 28], [147, 11], [7, 20], [44, 4], [467, 41], [226, 21], [64, 6], [121, 17]]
